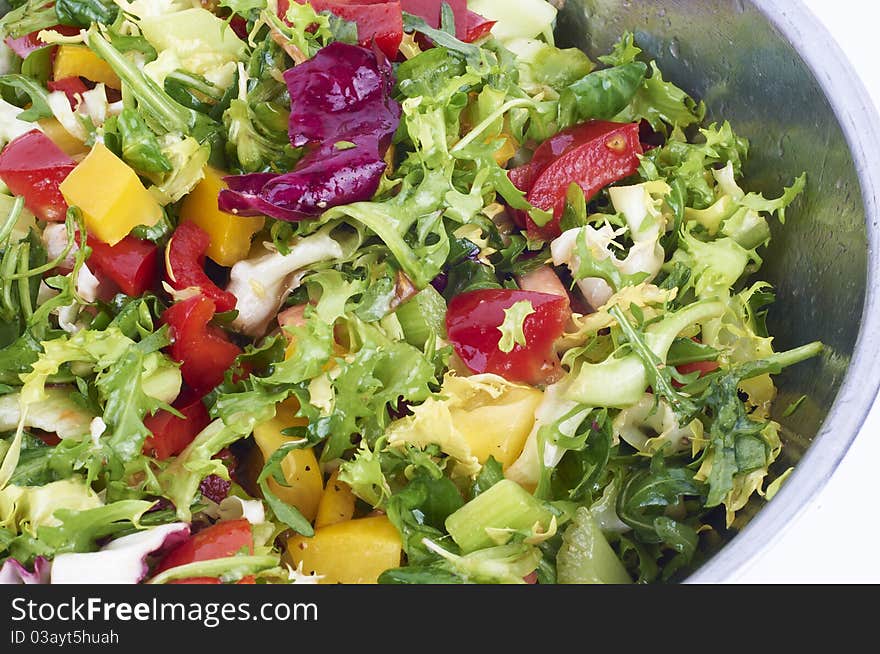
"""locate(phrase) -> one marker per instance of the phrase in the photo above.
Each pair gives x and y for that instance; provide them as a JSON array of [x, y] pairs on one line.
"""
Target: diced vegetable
[[592, 155], [229, 235], [123, 202], [351, 552], [336, 504], [586, 557], [204, 351], [430, 11], [73, 60], [170, 434], [300, 467], [473, 323], [504, 505], [220, 540], [33, 167], [185, 261], [375, 20], [132, 263], [68, 143], [499, 429]]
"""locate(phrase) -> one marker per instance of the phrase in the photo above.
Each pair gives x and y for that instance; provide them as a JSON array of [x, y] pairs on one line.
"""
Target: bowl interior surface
[[775, 74]]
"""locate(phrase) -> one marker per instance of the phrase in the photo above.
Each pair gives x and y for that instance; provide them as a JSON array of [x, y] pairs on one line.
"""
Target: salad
[[400, 292]]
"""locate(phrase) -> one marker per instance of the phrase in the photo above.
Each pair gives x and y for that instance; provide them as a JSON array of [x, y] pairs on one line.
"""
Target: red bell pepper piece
[[430, 11], [220, 540], [473, 320], [132, 263], [33, 167], [170, 434], [185, 265], [592, 155], [477, 26], [203, 350], [379, 21], [71, 86]]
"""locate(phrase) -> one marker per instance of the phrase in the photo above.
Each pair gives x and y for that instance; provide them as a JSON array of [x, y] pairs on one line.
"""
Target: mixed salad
[[382, 291]]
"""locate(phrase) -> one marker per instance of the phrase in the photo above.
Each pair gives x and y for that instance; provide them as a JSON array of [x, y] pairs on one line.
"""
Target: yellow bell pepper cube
[[78, 61], [69, 144], [337, 502], [300, 467], [351, 552], [110, 195], [499, 429], [230, 234]]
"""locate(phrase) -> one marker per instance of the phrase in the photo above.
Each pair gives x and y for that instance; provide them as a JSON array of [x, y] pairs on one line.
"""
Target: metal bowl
[[773, 71]]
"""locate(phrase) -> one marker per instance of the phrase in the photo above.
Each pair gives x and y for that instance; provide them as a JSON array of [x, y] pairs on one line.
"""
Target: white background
[[835, 539]]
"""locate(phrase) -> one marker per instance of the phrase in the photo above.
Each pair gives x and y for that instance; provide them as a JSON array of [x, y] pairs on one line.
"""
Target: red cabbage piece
[[13, 572], [342, 114]]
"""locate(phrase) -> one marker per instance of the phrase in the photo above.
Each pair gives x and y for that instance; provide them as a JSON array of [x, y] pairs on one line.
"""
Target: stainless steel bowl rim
[[859, 120]]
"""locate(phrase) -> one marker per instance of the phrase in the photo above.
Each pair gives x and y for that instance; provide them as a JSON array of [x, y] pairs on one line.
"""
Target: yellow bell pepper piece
[[506, 151], [499, 429], [337, 502], [69, 144], [78, 61], [300, 467], [230, 234], [110, 195], [351, 552]]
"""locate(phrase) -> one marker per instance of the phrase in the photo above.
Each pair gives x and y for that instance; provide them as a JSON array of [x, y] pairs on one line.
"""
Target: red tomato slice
[[592, 155], [218, 541], [477, 26], [705, 367], [33, 167], [430, 11], [204, 351], [472, 323], [185, 265], [169, 434], [379, 21], [132, 263]]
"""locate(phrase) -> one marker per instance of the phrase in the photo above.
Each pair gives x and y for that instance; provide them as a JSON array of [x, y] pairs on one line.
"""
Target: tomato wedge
[[592, 155], [473, 320], [430, 11], [170, 434], [185, 265], [203, 350], [477, 26], [218, 541], [379, 21], [33, 167], [132, 263]]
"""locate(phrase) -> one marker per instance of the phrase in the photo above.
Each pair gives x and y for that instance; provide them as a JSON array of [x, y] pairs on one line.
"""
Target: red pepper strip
[[592, 155], [220, 540], [33, 167], [132, 263], [170, 434], [379, 21], [71, 87], [185, 265], [203, 350], [473, 320], [477, 26]]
